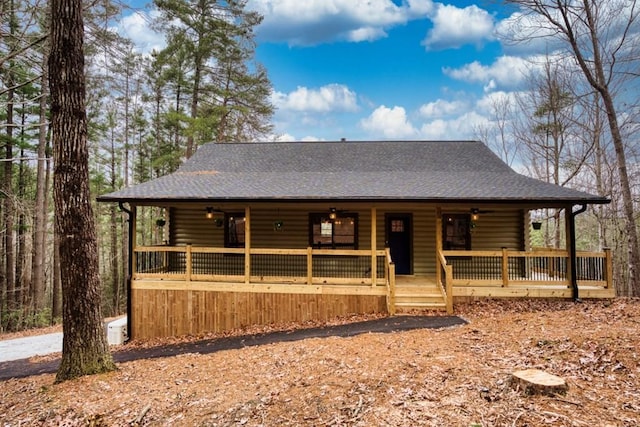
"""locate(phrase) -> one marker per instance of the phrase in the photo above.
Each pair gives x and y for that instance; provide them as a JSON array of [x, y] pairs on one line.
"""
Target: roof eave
[[366, 199]]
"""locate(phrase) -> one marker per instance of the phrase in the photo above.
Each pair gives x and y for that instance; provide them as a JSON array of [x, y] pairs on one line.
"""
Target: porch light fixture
[[333, 214], [475, 214], [211, 212]]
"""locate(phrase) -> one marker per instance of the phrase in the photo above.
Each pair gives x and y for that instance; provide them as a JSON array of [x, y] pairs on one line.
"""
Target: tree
[[217, 40], [37, 286], [600, 36], [85, 350], [553, 145], [497, 133], [6, 192]]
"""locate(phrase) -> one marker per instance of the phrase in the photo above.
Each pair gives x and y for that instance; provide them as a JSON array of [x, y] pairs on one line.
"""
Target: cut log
[[535, 381]]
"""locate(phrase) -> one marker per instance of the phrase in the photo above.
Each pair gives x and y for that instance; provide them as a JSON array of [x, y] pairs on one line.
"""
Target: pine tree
[[227, 98]]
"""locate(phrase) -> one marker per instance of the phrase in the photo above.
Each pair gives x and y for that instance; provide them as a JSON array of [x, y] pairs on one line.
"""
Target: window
[[456, 232], [397, 226], [341, 232], [234, 223]]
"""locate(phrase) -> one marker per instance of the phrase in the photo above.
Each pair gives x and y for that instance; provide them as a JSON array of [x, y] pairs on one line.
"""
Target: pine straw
[[456, 376]]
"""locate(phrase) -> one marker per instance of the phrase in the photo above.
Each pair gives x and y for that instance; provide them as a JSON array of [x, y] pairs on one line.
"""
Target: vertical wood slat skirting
[[162, 313]]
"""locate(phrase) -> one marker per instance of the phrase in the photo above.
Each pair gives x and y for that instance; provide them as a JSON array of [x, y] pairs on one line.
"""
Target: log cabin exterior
[[262, 233]]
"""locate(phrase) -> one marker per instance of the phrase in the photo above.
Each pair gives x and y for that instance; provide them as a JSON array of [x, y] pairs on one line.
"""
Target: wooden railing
[[445, 282], [390, 273], [537, 268], [303, 266]]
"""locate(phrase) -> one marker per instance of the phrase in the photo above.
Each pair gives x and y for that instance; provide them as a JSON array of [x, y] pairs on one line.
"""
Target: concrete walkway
[[41, 345], [24, 348]]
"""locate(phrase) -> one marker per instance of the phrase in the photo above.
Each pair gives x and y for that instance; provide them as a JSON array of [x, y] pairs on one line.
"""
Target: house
[[278, 232]]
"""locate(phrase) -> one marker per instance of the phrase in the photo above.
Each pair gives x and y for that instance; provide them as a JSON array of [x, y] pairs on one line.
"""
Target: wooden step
[[419, 297], [423, 305]]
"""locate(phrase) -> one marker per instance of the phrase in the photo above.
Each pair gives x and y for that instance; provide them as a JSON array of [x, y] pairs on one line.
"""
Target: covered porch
[[188, 289], [539, 273]]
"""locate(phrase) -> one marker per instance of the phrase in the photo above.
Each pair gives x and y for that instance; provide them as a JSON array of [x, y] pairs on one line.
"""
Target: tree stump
[[535, 381]]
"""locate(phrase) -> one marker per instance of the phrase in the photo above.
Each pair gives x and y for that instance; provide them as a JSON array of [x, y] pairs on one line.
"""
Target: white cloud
[[505, 72], [285, 137], [454, 27], [490, 100], [389, 123], [366, 34], [329, 98], [137, 27], [310, 22], [441, 108], [462, 127]]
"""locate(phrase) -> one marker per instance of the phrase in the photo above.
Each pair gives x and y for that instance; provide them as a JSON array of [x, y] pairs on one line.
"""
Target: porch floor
[[423, 293]]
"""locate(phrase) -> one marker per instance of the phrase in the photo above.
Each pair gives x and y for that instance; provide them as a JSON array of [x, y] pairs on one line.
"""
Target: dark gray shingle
[[377, 170]]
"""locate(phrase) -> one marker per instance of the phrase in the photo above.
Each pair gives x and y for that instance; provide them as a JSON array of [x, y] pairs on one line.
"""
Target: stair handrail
[[390, 270], [447, 288]]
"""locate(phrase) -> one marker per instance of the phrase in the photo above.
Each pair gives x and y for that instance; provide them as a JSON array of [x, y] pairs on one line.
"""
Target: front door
[[399, 230]]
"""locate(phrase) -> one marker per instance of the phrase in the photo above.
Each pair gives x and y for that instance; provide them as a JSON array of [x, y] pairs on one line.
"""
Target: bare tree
[[552, 140], [600, 37], [85, 350], [498, 133]]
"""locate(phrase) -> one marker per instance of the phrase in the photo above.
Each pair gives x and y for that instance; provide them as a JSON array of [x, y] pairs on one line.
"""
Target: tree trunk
[[191, 144], [115, 265], [627, 198], [84, 349], [21, 244], [7, 185], [37, 286]]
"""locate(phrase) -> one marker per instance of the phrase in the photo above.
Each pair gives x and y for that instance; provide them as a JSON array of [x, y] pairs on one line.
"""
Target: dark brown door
[[399, 232]]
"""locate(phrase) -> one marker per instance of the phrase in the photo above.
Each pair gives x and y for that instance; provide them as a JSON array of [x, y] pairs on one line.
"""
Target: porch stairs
[[418, 293]]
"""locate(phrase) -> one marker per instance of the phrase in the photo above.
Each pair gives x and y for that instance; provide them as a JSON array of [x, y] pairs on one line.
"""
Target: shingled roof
[[436, 171]]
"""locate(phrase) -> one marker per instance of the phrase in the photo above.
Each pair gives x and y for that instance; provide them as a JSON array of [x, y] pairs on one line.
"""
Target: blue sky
[[379, 69]]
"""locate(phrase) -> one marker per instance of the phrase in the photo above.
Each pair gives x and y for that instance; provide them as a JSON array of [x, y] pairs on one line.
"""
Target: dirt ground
[[456, 376]]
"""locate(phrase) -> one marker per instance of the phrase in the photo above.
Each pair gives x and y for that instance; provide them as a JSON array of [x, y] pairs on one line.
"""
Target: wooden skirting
[[167, 312]]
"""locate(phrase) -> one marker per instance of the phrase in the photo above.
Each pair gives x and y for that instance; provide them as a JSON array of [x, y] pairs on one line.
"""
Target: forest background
[[576, 125]]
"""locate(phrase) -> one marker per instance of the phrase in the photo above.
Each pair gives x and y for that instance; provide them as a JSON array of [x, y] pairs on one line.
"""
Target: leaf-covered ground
[[448, 377]]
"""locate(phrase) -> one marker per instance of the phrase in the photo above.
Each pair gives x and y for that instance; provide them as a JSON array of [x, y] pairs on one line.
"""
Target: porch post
[[247, 244], [131, 264], [571, 248], [608, 267], [188, 264], [438, 244], [374, 246], [133, 231]]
